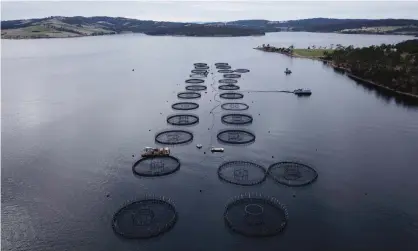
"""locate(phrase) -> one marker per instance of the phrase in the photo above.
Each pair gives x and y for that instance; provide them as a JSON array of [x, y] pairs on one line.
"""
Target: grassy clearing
[[311, 52]]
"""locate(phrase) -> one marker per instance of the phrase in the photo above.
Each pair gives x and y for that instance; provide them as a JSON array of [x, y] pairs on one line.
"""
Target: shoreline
[[123, 33], [346, 72], [294, 55], [367, 81]]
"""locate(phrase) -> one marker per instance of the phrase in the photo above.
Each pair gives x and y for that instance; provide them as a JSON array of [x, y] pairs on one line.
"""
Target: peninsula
[[392, 67]]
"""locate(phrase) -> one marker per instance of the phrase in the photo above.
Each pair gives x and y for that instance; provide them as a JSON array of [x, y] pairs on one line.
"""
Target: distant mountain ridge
[[58, 26], [329, 25]]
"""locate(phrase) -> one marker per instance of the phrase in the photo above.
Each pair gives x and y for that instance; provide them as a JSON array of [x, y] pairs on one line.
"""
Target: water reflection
[[388, 96]]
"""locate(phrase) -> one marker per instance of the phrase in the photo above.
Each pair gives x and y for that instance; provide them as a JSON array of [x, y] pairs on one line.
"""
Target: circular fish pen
[[145, 218], [188, 95], [232, 75], [182, 119], [225, 71], [234, 106], [242, 173], [156, 166], [219, 64], [201, 67], [195, 81], [223, 67], [173, 137], [256, 215], [292, 173], [231, 95], [228, 81], [229, 87], [236, 137], [242, 70], [184, 106], [200, 64], [199, 71], [198, 76], [196, 87], [237, 119]]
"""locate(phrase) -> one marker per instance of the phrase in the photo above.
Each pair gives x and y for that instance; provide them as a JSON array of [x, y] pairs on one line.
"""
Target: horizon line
[[215, 21]]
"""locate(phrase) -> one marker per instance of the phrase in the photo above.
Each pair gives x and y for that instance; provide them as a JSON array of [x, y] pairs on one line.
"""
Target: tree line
[[393, 66]]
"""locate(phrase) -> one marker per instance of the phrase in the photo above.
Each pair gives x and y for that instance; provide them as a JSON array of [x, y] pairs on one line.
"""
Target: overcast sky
[[214, 10]]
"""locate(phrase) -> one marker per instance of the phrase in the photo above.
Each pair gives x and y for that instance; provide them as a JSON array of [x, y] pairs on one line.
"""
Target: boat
[[287, 71], [302, 92], [217, 149], [152, 152]]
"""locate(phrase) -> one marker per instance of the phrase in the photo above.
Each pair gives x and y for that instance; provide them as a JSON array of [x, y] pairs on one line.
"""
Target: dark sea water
[[73, 113]]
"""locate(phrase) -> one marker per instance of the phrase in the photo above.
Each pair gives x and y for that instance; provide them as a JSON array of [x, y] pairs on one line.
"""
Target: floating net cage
[[219, 64], [231, 95], [229, 87], [182, 119], [256, 215], [232, 75], [188, 95], [225, 71], [195, 81], [196, 87], [242, 70], [199, 71], [228, 81], [184, 106], [237, 119], [235, 106], [200, 64], [242, 173], [236, 137], [156, 166], [223, 67], [201, 67], [173, 137], [198, 76], [145, 218], [292, 173]]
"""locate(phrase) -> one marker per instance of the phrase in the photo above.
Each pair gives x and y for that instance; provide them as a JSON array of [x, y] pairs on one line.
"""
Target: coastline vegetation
[[393, 67]]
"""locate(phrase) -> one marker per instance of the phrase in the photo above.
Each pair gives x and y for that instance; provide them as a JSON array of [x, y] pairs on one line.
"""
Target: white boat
[[301, 92]]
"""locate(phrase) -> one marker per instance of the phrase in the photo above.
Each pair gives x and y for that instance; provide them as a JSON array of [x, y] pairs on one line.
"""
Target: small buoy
[[365, 193], [200, 190], [272, 157], [269, 131], [133, 156], [149, 129], [294, 195], [133, 69], [107, 195], [204, 152]]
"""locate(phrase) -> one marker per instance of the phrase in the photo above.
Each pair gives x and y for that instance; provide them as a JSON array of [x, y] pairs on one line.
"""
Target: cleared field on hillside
[[311, 52]]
